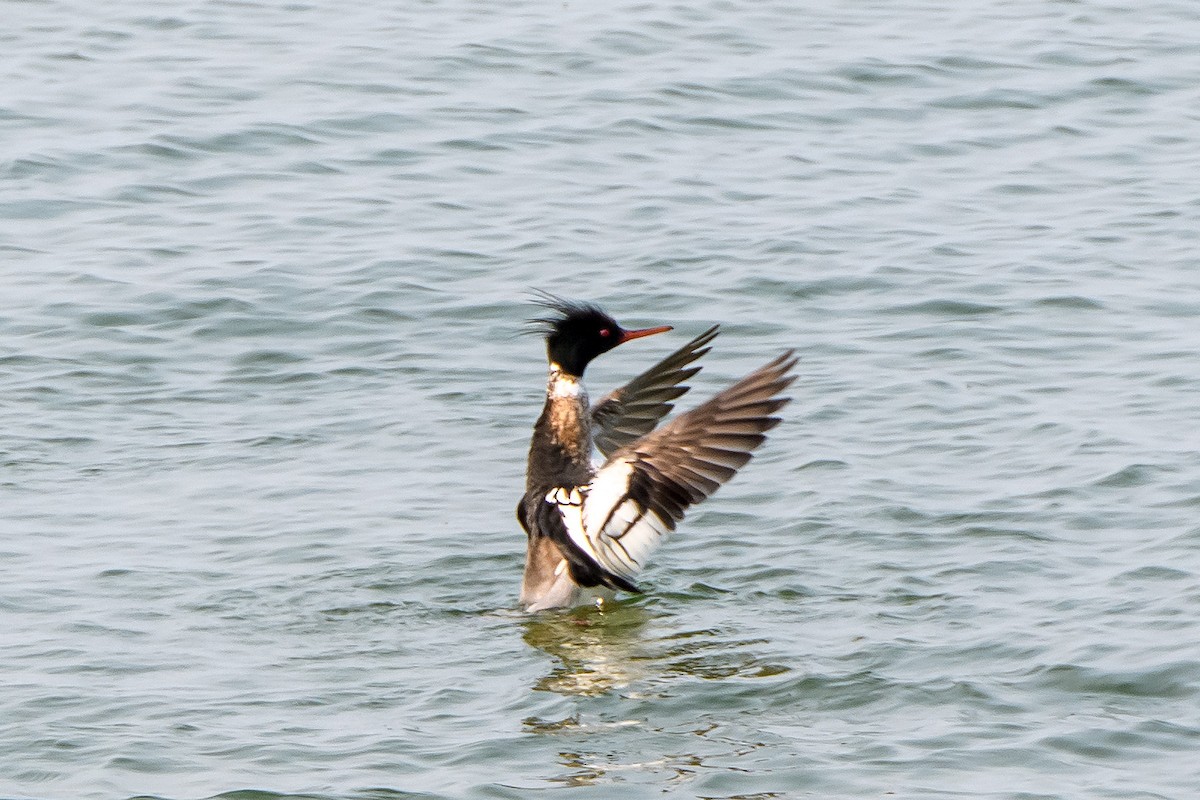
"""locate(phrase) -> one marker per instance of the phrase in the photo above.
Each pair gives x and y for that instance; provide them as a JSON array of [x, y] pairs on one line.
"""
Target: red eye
[[605, 332]]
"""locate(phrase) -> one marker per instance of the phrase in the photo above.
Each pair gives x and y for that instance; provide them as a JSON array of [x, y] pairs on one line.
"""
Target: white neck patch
[[562, 384]]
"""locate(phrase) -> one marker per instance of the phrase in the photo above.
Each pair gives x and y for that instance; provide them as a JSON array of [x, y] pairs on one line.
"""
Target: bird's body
[[590, 530]]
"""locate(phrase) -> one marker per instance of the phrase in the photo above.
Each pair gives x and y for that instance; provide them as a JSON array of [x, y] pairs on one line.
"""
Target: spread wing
[[637, 497], [628, 413]]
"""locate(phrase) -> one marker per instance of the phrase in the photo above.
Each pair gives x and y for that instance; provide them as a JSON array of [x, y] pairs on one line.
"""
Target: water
[[264, 409]]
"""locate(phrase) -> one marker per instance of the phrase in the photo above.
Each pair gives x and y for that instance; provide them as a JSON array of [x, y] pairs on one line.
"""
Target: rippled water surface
[[264, 407]]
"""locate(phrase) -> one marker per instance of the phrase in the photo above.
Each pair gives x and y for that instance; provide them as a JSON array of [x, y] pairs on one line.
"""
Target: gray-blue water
[[263, 408]]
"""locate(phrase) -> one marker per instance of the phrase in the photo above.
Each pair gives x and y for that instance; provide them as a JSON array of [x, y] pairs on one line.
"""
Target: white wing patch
[[570, 506], [565, 497], [604, 522]]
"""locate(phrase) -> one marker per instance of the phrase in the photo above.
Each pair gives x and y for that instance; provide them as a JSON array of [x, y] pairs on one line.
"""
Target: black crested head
[[578, 332]]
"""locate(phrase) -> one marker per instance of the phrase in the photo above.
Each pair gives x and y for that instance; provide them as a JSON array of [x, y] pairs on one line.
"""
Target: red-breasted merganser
[[590, 530]]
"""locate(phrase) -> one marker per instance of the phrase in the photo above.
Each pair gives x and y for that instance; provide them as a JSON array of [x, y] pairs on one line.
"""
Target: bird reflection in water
[[606, 661], [598, 650]]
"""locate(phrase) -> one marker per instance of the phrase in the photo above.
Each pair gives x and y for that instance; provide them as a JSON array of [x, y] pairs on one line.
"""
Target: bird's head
[[578, 332]]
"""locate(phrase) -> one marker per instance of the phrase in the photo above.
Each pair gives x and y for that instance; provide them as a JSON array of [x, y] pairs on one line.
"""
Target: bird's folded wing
[[628, 413], [636, 498]]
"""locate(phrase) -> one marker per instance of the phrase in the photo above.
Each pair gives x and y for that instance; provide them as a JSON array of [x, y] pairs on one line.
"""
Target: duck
[[591, 523]]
